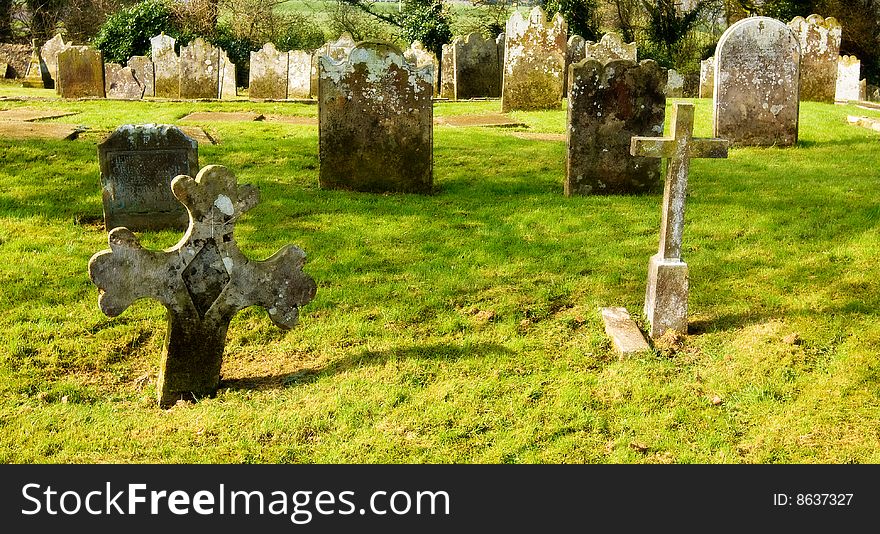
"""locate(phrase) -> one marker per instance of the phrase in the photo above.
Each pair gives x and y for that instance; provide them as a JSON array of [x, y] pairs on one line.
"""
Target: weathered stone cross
[[667, 292], [203, 281]]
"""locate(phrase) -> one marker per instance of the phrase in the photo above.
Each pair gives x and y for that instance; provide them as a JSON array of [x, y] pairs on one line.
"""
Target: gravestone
[[575, 51], [819, 40], [268, 76], [37, 75], [611, 48], [81, 72], [4, 70], [49, 52], [666, 296], [499, 42], [707, 78], [199, 70], [447, 72], [337, 50], [607, 105], [202, 281], [299, 64], [756, 84], [228, 88], [863, 89], [848, 78], [475, 61], [418, 56], [375, 122], [137, 164], [674, 84], [534, 58], [166, 65], [120, 83], [143, 71]]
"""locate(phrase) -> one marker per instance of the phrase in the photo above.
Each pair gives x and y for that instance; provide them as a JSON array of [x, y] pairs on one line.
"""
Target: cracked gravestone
[[666, 295], [202, 281], [81, 72], [819, 40], [534, 58], [120, 83], [166, 66], [143, 71]]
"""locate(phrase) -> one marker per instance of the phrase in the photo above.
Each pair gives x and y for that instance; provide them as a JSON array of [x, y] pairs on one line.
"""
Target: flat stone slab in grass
[[624, 333], [199, 135], [865, 122], [491, 119], [224, 116], [37, 130], [291, 119], [28, 114], [540, 136]]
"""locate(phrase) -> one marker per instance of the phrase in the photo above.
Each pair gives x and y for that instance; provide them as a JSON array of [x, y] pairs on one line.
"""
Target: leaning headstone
[[203, 281], [707, 78], [120, 83], [337, 50], [199, 70], [143, 71], [534, 58], [475, 62], [228, 89], [298, 74], [611, 48], [37, 75], [447, 72], [608, 104], [268, 75], [623, 331], [81, 72], [756, 84], [418, 56], [375, 122], [819, 40], [674, 84], [666, 296], [848, 75], [49, 52], [575, 51], [137, 164], [166, 64]]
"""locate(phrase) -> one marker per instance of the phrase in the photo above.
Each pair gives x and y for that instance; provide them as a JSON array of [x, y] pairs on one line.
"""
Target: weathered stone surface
[[268, 76], [417, 55], [223, 116], [707, 78], [623, 331], [666, 296], [447, 72], [81, 72], [144, 73], [674, 84], [28, 114], [299, 64], [200, 135], [199, 70], [49, 53], [848, 74], [499, 42], [166, 65], [575, 51], [4, 71], [611, 48], [16, 57], [872, 93], [864, 122], [120, 83], [37, 74], [756, 84], [863, 89], [534, 58], [475, 64], [137, 164], [489, 119], [228, 88], [203, 281], [337, 50], [375, 122], [37, 130], [819, 40], [607, 105]]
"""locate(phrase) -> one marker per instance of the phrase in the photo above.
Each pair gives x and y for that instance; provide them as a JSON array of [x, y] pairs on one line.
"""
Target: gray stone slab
[[299, 64], [49, 53], [447, 72], [145, 73], [623, 331], [37, 130], [819, 39], [81, 73], [224, 116], [575, 52], [490, 119], [228, 88], [865, 122], [28, 114], [707, 78], [268, 74], [534, 58], [120, 83], [848, 84], [200, 135]]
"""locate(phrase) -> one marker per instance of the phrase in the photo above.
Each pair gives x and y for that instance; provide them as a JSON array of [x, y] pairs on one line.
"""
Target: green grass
[[463, 326]]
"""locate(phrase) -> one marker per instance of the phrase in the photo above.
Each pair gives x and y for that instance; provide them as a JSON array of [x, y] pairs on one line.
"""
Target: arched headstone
[[819, 39], [534, 58]]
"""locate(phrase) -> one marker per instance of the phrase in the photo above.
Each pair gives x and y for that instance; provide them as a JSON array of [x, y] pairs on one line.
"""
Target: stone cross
[[667, 291], [203, 281]]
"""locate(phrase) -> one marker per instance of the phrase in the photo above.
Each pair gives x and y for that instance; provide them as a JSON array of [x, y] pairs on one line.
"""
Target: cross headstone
[[666, 297], [203, 281]]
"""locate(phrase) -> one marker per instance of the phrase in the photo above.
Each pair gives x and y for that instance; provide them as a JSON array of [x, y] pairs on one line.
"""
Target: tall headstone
[[199, 70], [707, 78], [49, 52], [819, 40], [666, 296], [611, 48], [417, 55], [166, 64], [607, 105], [142, 68], [575, 51], [228, 89], [203, 281], [137, 164], [120, 83], [863, 90], [81, 72], [268, 75], [337, 50], [375, 122], [534, 58], [447, 72], [37, 74], [299, 64], [756, 84], [475, 62], [848, 77]]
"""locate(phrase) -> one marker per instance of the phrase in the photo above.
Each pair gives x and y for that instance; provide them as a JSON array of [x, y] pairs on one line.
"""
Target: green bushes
[[127, 32]]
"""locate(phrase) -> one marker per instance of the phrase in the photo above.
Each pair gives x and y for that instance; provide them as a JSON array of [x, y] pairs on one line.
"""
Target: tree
[[5, 21], [427, 21], [582, 16], [667, 27], [45, 15]]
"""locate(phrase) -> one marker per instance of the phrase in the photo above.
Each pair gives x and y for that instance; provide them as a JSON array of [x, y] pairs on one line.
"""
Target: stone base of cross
[[666, 297]]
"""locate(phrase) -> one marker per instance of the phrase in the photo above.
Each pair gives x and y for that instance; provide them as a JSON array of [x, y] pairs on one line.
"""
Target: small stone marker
[[623, 331], [203, 281], [138, 163], [228, 88], [534, 58], [4, 70], [848, 83], [819, 40], [707, 78], [144, 72], [166, 65], [268, 75], [611, 48], [299, 68], [199, 70], [120, 83], [81, 72], [864, 122], [666, 297], [447, 72]]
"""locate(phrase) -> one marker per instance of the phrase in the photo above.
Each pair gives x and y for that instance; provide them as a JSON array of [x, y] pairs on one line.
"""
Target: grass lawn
[[463, 326]]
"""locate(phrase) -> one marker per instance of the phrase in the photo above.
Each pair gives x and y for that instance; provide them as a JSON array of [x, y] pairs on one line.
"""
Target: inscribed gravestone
[[608, 104], [375, 122], [81, 72], [228, 88], [756, 84], [707, 78], [848, 74], [49, 52], [199, 70], [610, 48], [299, 64], [534, 58], [475, 62], [120, 83], [142, 68], [447, 72], [819, 39], [575, 51], [166, 65], [268, 75], [418, 56], [137, 164], [202, 281]]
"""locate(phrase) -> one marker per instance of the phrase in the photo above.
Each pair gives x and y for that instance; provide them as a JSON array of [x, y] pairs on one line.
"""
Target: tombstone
[[607, 105], [299, 64], [4, 70], [375, 122], [81, 72], [268, 76], [499, 42], [872, 93], [143, 71], [202, 281], [674, 84], [534, 58], [447, 72], [49, 52], [199, 70], [228, 89], [707, 78], [756, 84], [337, 50], [575, 51], [166, 65], [819, 40], [475, 64], [120, 83], [137, 164], [37, 75], [418, 56], [863, 90], [611, 48], [848, 75], [666, 296]]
